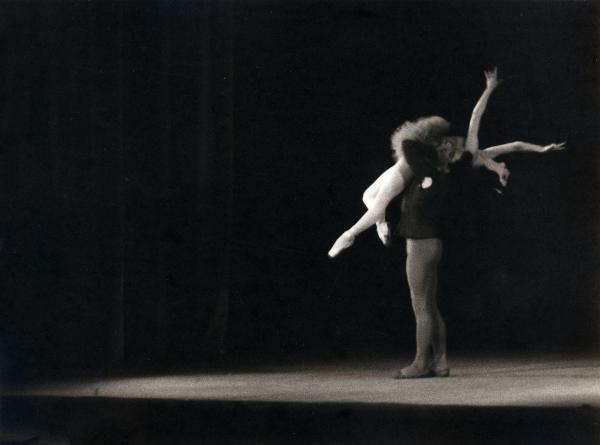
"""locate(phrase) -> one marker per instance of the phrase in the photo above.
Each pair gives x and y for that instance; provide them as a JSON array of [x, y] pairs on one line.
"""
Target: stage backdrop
[[173, 174]]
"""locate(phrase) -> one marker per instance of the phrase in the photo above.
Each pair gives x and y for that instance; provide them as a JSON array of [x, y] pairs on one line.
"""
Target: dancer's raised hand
[[491, 78]]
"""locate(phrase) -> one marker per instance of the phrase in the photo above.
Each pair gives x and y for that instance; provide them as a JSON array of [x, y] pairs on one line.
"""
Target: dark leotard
[[423, 200]]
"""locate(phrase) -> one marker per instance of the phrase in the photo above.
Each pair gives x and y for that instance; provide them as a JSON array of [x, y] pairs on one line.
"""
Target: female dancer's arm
[[491, 83], [521, 147], [472, 142], [485, 157]]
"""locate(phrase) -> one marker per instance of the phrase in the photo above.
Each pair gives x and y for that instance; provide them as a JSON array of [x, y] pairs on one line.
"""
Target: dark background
[[173, 174]]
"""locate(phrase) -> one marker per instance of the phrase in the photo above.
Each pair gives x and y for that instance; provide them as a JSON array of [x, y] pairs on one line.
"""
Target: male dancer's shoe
[[413, 372]]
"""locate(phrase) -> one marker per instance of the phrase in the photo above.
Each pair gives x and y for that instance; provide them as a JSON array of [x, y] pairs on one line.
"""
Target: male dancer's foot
[[414, 371], [440, 367], [342, 243]]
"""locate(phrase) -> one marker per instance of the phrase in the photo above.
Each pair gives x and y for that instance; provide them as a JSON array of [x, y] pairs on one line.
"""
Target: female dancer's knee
[[367, 197]]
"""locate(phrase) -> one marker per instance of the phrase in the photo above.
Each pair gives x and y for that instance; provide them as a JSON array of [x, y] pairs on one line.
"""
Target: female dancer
[[430, 131]]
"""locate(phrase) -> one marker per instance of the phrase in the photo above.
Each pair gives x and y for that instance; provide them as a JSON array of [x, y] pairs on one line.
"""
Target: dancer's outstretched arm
[[486, 156], [521, 147]]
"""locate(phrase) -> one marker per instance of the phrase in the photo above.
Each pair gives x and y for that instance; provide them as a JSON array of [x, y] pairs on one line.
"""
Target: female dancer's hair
[[425, 129]]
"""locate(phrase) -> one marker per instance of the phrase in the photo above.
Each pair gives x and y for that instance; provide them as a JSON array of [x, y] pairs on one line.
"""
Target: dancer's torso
[[423, 199]]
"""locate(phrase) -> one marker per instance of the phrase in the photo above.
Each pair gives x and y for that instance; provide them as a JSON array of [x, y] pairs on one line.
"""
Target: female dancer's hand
[[491, 78], [553, 147]]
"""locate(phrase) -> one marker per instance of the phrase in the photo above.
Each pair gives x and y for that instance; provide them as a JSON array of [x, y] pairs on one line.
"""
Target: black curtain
[[173, 174]]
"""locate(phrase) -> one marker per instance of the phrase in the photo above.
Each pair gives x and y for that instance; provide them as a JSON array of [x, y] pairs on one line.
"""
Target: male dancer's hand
[[503, 174], [482, 160]]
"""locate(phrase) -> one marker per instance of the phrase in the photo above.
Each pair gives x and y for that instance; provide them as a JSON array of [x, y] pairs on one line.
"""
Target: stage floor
[[480, 382]]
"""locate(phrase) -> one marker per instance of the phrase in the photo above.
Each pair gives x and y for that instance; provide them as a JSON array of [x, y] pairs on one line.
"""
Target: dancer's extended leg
[[369, 198], [392, 184]]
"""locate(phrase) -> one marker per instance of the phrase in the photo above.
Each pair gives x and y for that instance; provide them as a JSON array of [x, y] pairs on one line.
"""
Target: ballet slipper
[[342, 243], [440, 371], [383, 232], [413, 372], [440, 366]]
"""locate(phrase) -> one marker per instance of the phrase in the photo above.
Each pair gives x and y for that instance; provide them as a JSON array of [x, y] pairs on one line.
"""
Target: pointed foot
[[384, 233], [341, 244]]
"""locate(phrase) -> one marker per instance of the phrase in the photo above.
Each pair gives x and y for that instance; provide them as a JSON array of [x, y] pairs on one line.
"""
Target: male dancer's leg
[[423, 256]]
